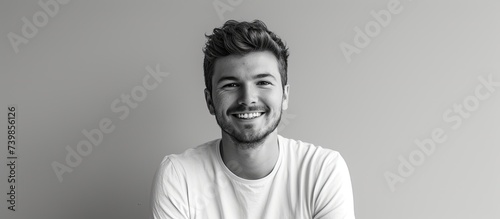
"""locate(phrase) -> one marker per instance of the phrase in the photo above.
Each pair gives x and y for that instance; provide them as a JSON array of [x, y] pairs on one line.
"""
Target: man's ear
[[210, 103], [286, 92]]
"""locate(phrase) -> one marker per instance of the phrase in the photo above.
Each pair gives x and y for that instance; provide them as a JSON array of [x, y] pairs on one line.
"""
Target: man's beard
[[245, 140]]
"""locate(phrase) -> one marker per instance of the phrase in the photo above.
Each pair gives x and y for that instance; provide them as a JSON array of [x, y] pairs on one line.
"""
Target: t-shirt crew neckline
[[254, 182]]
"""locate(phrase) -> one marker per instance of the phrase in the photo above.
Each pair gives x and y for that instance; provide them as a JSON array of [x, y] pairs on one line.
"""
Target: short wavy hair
[[240, 38]]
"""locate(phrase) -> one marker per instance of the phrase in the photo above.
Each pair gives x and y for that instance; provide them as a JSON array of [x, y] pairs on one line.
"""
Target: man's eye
[[230, 85], [264, 83]]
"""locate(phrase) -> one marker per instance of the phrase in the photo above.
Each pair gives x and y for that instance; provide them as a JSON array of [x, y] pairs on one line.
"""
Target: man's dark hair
[[240, 38]]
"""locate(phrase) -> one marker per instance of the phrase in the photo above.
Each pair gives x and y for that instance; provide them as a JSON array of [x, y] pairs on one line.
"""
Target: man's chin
[[247, 138]]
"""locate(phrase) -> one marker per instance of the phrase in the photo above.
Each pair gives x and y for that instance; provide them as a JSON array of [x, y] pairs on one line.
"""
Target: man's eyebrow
[[232, 78], [264, 75], [227, 78]]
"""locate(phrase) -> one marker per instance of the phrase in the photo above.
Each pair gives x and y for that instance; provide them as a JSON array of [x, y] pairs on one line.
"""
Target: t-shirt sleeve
[[169, 192], [334, 198]]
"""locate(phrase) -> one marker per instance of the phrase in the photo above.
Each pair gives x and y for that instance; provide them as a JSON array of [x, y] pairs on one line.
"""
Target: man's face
[[247, 96]]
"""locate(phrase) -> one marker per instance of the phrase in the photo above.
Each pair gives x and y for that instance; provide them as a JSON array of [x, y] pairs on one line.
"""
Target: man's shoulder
[[194, 156], [200, 150], [315, 162], [309, 151], [323, 169]]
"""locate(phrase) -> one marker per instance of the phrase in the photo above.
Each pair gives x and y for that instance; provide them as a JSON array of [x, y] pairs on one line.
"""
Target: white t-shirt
[[307, 182]]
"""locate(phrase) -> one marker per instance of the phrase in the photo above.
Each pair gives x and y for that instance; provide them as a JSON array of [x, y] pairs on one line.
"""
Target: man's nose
[[248, 95]]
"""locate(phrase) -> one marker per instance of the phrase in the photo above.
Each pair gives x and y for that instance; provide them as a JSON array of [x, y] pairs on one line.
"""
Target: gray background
[[371, 109]]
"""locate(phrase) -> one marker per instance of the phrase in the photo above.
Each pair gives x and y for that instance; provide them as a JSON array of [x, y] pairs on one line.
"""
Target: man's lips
[[247, 115]]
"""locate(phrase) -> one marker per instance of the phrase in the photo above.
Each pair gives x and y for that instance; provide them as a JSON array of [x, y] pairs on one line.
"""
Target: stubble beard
[[243, 140]]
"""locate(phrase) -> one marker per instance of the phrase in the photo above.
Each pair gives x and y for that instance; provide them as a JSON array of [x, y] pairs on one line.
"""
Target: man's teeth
[[248, 115]]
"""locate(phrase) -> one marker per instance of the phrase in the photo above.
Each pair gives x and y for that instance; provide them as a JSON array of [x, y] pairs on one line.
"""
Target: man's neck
[[250, 163]]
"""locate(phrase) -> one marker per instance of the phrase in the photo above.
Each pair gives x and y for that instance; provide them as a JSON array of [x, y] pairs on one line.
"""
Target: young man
[[251, 172]]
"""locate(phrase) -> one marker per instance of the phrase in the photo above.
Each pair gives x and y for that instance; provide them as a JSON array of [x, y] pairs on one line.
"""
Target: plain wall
[[423, 62]]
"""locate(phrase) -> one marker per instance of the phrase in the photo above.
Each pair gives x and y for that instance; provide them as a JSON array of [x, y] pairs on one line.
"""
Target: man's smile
[[249, 115]]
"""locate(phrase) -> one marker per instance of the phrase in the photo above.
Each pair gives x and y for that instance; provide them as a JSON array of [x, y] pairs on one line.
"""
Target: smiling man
[[251, 171]]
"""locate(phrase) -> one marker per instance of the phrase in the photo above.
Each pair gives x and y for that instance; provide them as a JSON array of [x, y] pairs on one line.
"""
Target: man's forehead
[[254, 64]]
